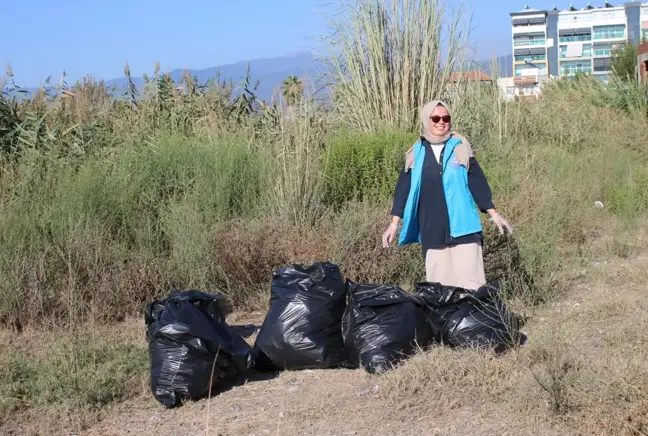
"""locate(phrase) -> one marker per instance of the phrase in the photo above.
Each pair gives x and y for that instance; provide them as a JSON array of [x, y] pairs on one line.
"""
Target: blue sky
[[43, 37]]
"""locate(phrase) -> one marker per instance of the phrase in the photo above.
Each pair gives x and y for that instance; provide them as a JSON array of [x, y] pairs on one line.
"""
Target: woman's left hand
[[501, 223]]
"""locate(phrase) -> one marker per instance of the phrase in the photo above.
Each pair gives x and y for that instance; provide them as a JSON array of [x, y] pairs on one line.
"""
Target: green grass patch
[[76, 369]]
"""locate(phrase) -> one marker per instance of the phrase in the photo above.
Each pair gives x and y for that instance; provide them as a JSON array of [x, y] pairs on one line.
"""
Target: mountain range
[[271, 72]]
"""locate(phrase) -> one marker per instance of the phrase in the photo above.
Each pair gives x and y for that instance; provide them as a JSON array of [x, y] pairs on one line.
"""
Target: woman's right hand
[[389, 235]]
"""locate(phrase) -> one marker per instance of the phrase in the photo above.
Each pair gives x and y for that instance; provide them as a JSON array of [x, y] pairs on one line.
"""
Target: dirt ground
[[583, 371], [602, 322]]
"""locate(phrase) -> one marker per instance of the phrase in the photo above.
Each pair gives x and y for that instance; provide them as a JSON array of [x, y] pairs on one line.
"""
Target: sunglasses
[[435, 118]]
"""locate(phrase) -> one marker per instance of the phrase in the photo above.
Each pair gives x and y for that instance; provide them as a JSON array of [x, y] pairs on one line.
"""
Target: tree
[[292, 90], [624, 62]]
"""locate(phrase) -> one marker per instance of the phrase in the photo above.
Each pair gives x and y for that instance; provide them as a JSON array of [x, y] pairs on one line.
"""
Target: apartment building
[[557, 43]]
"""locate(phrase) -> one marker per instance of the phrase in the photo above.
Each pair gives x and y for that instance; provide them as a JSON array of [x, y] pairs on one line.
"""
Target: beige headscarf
[[463, 152], [426, 112]]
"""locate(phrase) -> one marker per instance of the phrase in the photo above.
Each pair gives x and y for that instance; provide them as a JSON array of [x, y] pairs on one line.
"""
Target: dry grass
[[62, 379], [247, 252], [583, 371]]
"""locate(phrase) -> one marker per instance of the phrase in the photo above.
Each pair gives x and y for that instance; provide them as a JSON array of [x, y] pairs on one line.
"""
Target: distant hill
[[271, 72]]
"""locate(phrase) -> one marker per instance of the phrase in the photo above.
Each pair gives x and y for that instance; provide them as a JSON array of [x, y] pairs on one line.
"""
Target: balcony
[[582, 34], [531, 58], [523, 30], [537, 54], [609, 32], [529, 42], [528, 21], [530, 39], [602, 65], [575, 51], [571, 68], [575, 38], [603, 52]]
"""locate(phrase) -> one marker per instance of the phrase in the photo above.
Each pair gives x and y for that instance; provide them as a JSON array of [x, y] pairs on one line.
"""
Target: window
[[520, 42], [576, 38], [602, 65], [644, 35], [609, 32], [586, 52], [533, 57], [529, 40], [573, 67], [603, 50], [528, 89]]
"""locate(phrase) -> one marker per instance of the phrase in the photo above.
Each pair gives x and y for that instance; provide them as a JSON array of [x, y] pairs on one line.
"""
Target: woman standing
[[437, 196]]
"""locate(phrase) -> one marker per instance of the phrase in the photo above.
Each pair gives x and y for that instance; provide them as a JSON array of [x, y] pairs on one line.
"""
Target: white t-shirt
[[437, 151]]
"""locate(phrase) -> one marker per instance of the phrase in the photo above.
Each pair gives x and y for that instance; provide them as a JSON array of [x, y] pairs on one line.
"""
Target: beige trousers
[[459, 265]]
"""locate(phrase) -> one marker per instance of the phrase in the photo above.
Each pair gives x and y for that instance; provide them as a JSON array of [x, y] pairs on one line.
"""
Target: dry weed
[[444, 379]]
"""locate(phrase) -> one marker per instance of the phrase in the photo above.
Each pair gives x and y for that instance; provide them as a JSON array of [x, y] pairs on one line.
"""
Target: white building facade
[[555, 43]]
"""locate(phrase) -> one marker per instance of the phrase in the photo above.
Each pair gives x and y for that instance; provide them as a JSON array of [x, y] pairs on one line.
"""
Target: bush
[[97, 235], [363, 167]]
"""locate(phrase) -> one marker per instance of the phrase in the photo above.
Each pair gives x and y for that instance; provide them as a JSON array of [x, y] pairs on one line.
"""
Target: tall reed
[[389, 57]]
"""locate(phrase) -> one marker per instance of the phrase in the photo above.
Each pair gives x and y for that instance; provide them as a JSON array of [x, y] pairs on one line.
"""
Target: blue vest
[[462, 210]]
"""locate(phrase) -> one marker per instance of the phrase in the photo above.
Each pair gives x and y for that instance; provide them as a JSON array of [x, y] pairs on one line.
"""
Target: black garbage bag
[[302, 329], [188, 337], [471, 319], [382, 325]]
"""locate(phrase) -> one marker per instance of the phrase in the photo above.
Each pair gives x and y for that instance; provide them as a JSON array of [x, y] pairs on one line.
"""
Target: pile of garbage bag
[[382, 325], [316, 320], [191, 347], [470, 319], [302, 329]]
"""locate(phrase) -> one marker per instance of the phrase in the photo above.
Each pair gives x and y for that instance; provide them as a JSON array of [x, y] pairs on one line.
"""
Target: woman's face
[[439, 121]]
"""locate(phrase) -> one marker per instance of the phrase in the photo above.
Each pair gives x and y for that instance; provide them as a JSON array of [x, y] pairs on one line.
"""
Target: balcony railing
[[585, 54], [575, 38], [610, 32], [528, 72], [573, 70], [531, 58], [527, 42], [605, 52]]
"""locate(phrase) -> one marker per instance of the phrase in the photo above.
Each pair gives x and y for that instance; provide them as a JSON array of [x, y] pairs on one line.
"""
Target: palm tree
[[292, 89]]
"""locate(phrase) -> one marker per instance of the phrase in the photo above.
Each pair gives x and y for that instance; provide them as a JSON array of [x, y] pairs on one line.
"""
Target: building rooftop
[[528, 10], [572, 8]]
